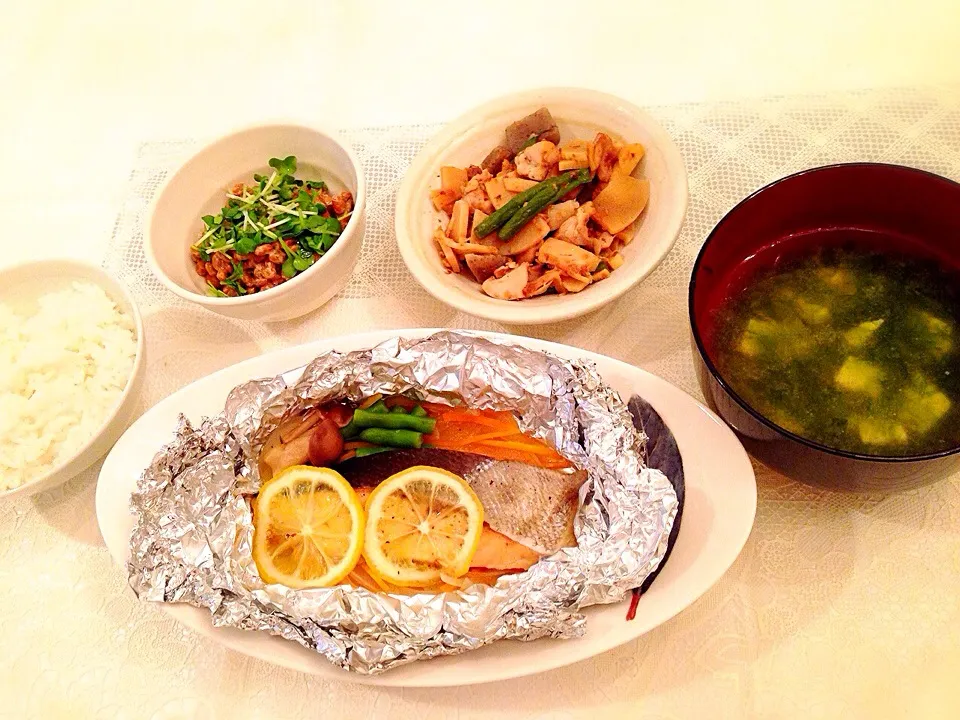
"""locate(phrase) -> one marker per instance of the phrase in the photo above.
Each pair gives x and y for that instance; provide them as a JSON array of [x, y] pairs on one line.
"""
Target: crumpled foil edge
[[191, 542]]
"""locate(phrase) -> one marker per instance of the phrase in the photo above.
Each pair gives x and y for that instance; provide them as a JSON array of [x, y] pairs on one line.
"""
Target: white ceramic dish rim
[[359, 206], [528, 312], [116, 523], [109, 286]]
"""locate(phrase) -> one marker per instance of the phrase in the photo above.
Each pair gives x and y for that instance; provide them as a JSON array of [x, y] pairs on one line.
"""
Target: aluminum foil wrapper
[[193, 532]]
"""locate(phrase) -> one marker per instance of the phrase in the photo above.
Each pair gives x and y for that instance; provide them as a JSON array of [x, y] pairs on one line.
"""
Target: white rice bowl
[[63, 370]]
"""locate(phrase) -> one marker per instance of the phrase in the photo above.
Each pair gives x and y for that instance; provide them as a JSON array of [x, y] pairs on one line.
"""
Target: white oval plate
[[720, 505], [578, 113]]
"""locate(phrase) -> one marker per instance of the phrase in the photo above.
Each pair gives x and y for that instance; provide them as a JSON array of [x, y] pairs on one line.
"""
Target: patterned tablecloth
[[840, 605]]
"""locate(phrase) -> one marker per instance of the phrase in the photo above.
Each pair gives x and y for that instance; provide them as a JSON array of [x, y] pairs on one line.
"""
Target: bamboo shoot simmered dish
[[540, 214]]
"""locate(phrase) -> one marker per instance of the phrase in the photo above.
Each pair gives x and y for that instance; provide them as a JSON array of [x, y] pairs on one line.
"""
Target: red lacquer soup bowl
[[875, 206]]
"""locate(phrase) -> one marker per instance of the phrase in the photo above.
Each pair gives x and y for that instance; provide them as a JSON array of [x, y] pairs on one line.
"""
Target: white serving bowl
[[197, 189], [578, 113], [20, 289]]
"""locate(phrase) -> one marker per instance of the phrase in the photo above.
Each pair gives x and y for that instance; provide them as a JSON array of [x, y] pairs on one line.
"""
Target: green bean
[[418, 411], [500, 216], [522, 216], [398, 410], [350, 430], [393, 421], [378, 407], [579, 178], [364, 451], [543, 198], [392, 438]]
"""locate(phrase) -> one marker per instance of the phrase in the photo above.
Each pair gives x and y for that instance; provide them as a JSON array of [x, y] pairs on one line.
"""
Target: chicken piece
[[527, 256], [509, 286], [540, 285], [604, 156], [475, 195], [569, 258], [574, 229], [557, 214], [484, 266], [602, 241], [538, 160]]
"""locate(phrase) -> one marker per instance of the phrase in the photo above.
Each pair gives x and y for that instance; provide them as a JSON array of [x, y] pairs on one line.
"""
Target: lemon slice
[[422, 522], [307, 528]]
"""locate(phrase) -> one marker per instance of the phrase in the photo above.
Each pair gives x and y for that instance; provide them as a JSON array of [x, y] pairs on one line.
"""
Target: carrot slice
[[372, 400], [466, 416], [355, 444], [522, 446]]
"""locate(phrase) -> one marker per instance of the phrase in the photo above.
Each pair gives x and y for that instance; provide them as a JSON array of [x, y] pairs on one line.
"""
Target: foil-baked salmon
[[530, 505]]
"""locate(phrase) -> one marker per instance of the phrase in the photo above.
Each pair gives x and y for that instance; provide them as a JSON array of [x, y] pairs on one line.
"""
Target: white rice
[[62, 372]]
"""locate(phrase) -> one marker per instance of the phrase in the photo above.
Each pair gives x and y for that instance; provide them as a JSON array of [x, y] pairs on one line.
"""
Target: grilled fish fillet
[[530, 505]]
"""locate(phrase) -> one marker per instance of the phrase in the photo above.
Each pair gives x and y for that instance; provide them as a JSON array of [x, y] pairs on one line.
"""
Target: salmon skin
[[530, 505]]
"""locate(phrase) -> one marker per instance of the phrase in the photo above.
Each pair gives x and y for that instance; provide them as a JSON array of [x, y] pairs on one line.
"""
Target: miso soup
[[851, 349]]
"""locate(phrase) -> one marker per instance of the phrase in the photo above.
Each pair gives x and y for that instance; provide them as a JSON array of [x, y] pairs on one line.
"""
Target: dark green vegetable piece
[[418, 411], [350, 430], [528, 142], [367, 419], [393, 438], [211, 290], [522, 216], [378, 407], [497, 219], [539, 201], [286, 166], [245, 245], [364, 451]]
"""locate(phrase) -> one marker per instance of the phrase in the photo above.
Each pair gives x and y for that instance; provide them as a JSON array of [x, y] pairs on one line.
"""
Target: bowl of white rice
[[71, 362]]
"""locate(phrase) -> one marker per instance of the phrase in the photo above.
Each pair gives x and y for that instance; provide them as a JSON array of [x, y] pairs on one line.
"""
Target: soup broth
[[852, 349]]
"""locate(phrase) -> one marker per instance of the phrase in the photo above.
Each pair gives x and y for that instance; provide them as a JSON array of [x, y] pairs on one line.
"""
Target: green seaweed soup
[[854, 350]]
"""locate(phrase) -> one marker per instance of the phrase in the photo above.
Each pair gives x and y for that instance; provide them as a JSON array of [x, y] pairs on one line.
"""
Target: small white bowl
[[19, 289], [579, 113], [197, 189]]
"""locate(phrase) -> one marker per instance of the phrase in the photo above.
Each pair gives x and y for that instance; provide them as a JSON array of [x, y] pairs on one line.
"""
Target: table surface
[[837, 608]]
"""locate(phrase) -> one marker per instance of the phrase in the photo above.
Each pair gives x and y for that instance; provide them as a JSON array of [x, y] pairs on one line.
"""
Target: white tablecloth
[[840, 606]]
